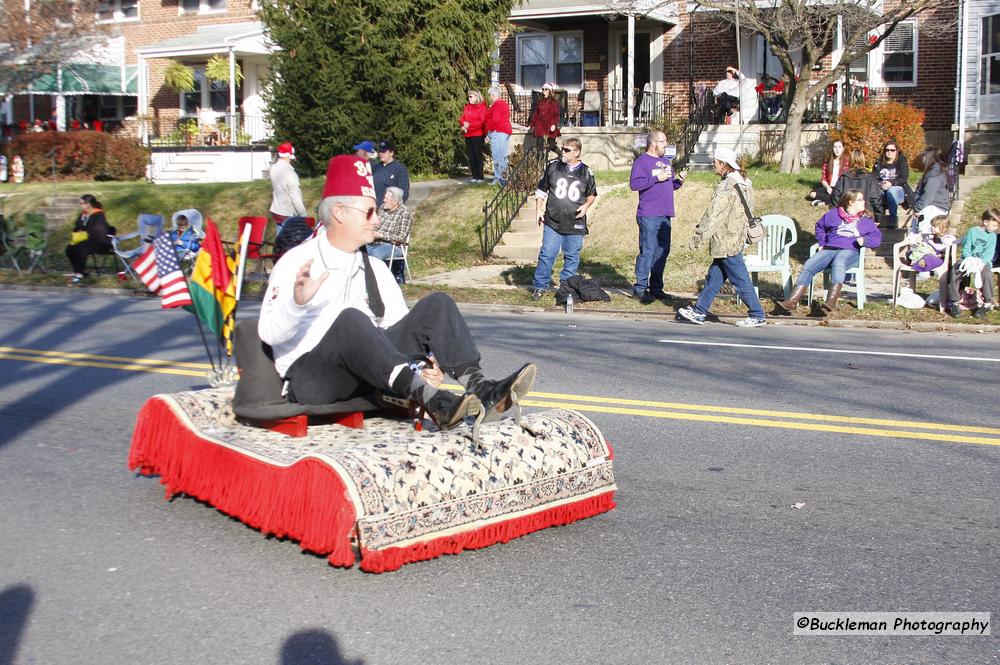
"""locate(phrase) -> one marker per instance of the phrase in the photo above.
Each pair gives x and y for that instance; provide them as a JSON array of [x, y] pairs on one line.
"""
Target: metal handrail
[[502, 208], [701, 111]]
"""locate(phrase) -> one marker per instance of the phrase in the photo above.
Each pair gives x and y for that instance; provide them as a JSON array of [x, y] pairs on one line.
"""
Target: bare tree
[[38, 34], [802, 32]]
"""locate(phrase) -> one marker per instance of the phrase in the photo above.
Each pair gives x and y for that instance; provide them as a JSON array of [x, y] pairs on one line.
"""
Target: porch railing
[[502, 208], [649, 108], [228, 130]]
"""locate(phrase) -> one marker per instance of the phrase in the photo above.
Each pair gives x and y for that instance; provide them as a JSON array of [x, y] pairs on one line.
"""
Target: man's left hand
[[432, 374]]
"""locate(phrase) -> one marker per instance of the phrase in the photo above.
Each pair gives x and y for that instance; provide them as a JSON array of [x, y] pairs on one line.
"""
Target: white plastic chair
[[898, 268], [859, 278], [773, 252]]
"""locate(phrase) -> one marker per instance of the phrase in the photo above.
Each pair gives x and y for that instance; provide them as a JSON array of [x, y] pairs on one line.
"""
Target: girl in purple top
[[840, 233]]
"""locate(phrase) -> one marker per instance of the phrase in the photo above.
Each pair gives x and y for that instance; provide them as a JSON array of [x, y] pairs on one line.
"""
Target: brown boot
[[787, 307], [830, 304]]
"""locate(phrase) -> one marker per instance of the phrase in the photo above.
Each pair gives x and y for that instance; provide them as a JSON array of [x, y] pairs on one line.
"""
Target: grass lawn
[[446, 230]]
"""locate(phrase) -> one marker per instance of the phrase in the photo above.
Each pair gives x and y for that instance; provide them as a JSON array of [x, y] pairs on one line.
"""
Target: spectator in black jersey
[[565, 193]]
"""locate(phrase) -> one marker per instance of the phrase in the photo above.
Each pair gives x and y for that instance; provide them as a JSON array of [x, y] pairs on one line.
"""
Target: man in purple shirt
[[654, 178]]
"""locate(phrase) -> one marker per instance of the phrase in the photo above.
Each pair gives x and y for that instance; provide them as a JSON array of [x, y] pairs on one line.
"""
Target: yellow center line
[[783, 424], [90, 356], [588, 403], [84, 363]]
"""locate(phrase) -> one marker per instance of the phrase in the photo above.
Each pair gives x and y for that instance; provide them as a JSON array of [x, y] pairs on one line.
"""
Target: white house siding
[[977, 10]]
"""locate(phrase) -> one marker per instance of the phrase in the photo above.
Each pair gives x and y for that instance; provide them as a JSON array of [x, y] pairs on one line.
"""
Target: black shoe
[[647, 298], [448, 409], [954, 311], [498, 396], [537, 294], [980, 313]]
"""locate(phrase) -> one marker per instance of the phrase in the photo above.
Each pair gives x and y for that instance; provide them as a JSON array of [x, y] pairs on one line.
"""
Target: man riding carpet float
[[339, 327]]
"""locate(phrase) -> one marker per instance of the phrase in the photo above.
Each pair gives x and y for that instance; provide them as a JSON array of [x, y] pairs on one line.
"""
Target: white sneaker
[[751, 322], [688, 314]]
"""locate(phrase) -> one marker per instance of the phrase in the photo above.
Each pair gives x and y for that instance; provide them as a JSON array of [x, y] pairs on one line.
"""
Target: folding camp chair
[[256, 244], [197, 223], [400, 253], [26, 242], [149, 226]]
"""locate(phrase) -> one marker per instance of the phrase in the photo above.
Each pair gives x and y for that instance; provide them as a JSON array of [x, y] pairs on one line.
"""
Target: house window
[[118, 10], [550, 56], [206, 95], [202, 6], [899, 56], [989, 51]]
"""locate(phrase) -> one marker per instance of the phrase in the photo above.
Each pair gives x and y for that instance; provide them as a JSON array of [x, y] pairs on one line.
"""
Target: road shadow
[[313, 647], [15, 607]]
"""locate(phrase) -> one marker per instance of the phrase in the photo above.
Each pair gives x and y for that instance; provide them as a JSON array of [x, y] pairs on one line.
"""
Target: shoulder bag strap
[[743, 200]]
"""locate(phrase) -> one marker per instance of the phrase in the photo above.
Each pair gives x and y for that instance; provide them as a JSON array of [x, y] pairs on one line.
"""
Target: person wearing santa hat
[[339, 327], [286, 193]]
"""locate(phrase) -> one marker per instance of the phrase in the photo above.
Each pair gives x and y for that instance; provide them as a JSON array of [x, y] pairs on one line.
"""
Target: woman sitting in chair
[[841, 233], [91, 233]]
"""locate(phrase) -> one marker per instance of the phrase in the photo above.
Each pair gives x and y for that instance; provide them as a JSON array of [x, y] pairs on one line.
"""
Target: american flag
[[160, 271]]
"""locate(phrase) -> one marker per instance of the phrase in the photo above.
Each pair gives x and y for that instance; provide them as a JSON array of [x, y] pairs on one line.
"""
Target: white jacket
[[285, 190], [293, 330]]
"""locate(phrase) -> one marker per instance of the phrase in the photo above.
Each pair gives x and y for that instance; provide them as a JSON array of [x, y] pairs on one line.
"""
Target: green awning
[[78, 79], [86, 79]]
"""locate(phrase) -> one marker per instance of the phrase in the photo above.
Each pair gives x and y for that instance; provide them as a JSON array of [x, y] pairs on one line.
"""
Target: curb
[[915, 326]]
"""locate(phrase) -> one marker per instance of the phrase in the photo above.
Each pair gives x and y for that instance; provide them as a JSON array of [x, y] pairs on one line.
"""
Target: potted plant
[[217, 69], [179, 77]]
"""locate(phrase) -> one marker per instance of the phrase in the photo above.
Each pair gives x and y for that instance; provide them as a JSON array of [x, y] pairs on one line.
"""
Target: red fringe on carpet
[[393, 558], [306, 502]]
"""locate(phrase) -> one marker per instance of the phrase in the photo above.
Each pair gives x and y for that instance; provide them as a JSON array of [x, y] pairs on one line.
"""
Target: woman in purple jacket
[[841, 233]]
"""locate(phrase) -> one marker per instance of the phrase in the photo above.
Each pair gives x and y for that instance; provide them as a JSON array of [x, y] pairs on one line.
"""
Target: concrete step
[[65, 201], [984, 157], [982, 169], [522, 239], [519, 255], [524, 226]]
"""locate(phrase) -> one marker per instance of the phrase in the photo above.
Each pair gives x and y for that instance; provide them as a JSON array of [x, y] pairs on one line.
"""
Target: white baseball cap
[[727, 156]]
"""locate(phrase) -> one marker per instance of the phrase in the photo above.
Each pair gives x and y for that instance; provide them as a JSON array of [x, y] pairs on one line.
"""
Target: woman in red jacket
[[473, 122], [498, 130], [544, 121], [833, 167]]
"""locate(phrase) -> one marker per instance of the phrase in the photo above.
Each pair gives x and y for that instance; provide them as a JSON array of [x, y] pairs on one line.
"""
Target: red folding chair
[[256, 244]]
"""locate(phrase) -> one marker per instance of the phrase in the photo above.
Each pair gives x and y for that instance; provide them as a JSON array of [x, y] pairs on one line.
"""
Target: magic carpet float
[[375, 490]]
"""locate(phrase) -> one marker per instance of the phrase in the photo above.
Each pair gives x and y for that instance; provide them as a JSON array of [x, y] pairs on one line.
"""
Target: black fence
[[498, 213]]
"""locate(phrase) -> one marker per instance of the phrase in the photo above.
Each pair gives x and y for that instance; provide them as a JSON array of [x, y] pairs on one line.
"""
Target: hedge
[[870, 126], [80, 155]]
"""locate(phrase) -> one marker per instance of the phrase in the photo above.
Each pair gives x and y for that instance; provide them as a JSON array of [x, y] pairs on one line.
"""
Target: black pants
[[726, 104], [355, 357], [78, 253], [474, 146], [955, 284], [540, 142], [820, 194]]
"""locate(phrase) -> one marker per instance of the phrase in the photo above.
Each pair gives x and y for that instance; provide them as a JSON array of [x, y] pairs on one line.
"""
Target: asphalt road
[[705, 560]]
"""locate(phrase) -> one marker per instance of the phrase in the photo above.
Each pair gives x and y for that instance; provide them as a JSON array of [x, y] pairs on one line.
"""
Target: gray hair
[[326, 206], [494, 91], [396, 193], [653, 136]]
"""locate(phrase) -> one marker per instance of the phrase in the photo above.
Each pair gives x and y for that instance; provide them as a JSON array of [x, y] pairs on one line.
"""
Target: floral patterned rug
[[414, 494]]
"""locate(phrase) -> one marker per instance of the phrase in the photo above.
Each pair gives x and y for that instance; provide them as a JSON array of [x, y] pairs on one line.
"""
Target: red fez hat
[[347, 175]]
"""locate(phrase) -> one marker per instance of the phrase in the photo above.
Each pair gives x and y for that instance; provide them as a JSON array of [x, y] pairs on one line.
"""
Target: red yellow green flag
[[213, 289]]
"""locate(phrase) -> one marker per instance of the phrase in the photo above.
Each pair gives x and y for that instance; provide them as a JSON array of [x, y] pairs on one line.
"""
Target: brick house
[[682, 49]]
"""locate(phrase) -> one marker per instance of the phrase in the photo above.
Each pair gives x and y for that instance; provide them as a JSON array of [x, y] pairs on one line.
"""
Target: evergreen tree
[[394, 69]]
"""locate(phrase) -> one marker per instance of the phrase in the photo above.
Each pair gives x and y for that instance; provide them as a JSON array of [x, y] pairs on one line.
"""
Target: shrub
[[81, 155], [869, 126]]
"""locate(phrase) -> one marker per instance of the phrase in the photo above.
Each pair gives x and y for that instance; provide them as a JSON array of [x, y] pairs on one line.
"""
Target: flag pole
[[204, 341]]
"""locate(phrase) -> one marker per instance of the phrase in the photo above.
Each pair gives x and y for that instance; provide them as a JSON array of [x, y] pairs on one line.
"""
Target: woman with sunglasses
[[473, 122], [892, 174]]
